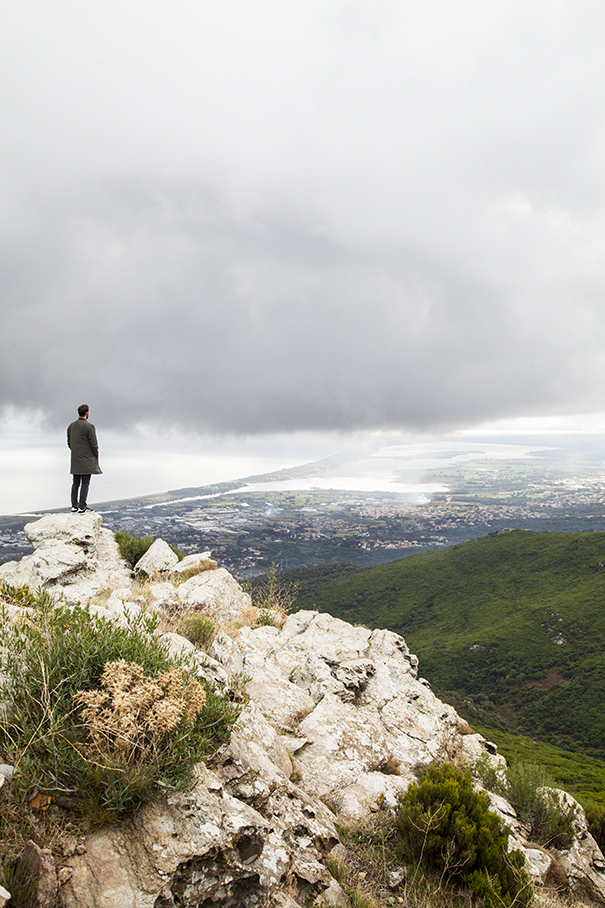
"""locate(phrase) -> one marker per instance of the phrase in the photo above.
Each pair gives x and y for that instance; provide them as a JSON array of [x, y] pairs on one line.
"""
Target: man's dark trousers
[[81, 483]]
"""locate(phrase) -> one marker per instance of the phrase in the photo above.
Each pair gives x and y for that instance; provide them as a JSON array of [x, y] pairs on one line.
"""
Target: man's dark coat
[[82, 440]]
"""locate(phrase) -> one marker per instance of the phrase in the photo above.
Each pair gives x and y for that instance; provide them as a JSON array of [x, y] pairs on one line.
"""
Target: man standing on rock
[[82, 440]]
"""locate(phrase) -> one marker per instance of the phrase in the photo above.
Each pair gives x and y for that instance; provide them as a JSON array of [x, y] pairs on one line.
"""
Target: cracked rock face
[[337, 724], [73, 556], [352, 696]]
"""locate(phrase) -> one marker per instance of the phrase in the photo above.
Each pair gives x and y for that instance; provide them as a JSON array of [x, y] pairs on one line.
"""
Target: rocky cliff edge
[[336, 726]]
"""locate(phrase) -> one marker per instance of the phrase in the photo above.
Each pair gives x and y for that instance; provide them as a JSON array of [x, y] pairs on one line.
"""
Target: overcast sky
[[225, 216]]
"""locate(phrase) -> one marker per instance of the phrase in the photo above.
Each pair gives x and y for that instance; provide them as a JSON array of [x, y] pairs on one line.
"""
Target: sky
[[225, 222]]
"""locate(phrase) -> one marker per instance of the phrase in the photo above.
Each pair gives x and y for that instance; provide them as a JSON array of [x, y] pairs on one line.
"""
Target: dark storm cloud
[[352, 220]]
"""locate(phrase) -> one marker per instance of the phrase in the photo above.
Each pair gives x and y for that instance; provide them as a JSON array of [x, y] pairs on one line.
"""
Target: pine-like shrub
[[446, 827]]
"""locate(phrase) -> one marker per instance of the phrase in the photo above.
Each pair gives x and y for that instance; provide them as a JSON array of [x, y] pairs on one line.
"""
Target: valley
[[327, 512]]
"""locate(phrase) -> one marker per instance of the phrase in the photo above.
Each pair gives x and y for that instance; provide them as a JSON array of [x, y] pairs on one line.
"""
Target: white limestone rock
[[255, 762], [202, 846], [353, 694], [225, 651], [158, 558], [177, 645], [218, 593], [81, 530], [163, 592], [21, 573], [537, 863], [58, 561], [201, 562], [583, 863], [74, 558], [373, 791]]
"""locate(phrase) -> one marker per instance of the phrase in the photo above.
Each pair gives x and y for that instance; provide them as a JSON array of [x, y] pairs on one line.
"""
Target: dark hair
[[83, 409]]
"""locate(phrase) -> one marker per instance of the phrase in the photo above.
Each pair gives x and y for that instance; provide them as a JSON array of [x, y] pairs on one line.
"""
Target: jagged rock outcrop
[[73, 556], [337, 725]]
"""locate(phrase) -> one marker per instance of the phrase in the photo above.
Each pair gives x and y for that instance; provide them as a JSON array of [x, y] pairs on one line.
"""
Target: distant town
[[247, 531]]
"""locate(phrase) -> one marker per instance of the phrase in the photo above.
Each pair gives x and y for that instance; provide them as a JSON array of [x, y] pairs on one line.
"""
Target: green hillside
[[510, 626]]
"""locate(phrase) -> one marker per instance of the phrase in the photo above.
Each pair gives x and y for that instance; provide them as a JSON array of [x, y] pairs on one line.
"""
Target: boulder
[[583, 863], [39, 865], [158, 559], [217, 593], [80, 530], [193, 563]]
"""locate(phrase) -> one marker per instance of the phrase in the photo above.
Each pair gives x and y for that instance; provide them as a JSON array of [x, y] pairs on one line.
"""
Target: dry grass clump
[[132, 712], [273, 598]]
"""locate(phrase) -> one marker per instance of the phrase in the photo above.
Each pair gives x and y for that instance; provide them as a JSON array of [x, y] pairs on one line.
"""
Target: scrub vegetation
[[442, 848], [99, 716]]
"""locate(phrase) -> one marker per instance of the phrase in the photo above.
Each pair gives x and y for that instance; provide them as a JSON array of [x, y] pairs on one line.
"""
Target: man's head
[[83, 411]]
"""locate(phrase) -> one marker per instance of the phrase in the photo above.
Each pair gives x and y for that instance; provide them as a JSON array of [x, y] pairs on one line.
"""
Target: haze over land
[[235, 229]]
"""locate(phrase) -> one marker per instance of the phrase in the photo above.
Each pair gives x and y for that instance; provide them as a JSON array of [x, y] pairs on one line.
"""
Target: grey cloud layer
[[351, 220]]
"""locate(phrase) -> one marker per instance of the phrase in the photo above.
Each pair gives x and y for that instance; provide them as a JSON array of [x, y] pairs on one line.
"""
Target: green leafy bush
[[18, 595], [446, 827], [131, 548], [56, 666]]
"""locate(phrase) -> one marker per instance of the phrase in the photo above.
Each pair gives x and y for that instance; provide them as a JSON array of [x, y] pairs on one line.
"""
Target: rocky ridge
[[336, 727]]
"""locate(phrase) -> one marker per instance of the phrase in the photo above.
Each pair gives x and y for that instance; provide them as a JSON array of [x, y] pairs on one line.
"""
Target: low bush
[[528, 787], [446, 827], [18, 595], [131, 548], [595, 816], [100, 712], [197, 628]]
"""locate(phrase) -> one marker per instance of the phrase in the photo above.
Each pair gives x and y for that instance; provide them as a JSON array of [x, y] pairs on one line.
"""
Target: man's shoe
[[84, 510], [74, 510]]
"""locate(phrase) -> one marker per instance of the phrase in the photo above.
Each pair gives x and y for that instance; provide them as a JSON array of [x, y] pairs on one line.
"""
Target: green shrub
[[18, 595], [490, 776], [132, 549], [446, 827], [595, 816], [58, 671], [526, 788], [197, 628]]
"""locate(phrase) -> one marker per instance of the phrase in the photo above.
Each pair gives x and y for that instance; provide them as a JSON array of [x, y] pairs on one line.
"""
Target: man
[[82, 441]]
